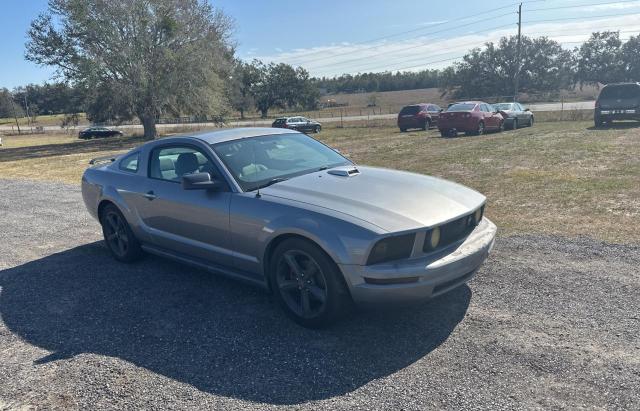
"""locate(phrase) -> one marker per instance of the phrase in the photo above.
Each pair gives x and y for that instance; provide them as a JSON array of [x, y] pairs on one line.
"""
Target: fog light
[[434, 238], [478, 215]]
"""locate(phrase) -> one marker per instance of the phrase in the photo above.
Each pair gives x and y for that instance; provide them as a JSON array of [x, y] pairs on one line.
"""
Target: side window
[[130, 163], [173, 162]]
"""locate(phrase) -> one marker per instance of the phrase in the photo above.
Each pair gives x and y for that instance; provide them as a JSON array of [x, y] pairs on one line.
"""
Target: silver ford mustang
[[279, 209]]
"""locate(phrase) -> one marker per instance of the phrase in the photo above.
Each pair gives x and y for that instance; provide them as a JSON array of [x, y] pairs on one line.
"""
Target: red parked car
[[472, 117], [421, 116]]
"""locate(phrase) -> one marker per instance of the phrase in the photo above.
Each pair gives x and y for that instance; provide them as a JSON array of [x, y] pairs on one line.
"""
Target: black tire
[[403, 130], [531, 121], [316, 300], [444, 133], [119, 238], [515, 124], [317, 129], [427, 125], [501, 127]]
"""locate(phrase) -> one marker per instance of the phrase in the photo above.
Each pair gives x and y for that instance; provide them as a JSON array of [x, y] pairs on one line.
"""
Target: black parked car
[[297, 123], [514, 115], [98, 132], [619, 101]]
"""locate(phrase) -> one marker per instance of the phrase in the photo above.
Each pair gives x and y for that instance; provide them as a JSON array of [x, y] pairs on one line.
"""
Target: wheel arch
[[279, 239]]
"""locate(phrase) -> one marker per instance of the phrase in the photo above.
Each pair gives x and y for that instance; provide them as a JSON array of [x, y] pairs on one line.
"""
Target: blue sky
[[332, 37]]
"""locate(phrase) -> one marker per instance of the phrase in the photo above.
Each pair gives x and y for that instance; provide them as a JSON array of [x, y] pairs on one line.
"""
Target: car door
[[434, 112], [305, 125], [193, 223], [487, 115], [523, 116]]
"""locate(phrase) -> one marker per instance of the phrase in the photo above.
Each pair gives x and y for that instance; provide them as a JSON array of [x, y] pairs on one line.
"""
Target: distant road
[[578, 105]]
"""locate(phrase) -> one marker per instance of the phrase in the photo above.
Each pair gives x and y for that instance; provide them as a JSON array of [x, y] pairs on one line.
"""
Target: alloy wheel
[[302, 284], [116, 233]]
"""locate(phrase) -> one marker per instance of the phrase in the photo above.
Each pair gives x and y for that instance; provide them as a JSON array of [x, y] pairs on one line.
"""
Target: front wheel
[[118, 235], [515, 124], [427, 125], [307, 284], [531, 121], [316, 129]]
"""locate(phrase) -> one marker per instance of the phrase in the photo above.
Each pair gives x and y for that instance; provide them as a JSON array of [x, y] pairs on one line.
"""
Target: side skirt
[[216, 269]]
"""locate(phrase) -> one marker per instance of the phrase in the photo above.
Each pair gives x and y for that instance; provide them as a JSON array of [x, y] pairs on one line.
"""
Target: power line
[[575, 6], [425, 34], [405, 48], [427, 63], [582, 18], [424, 28]]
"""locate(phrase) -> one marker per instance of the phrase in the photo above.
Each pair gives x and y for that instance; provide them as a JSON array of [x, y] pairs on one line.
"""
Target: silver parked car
[[515, 115], [277, 208]]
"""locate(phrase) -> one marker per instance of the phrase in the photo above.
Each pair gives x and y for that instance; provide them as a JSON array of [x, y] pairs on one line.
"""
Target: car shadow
[[617, 126], [215, 334]]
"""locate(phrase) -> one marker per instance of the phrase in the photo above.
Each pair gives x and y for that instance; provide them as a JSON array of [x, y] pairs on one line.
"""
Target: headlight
[[392, 248], [478, 214]]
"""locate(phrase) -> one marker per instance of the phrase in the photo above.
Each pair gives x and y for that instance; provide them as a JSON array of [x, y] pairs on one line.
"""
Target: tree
[[281, 85], [544, 66], [600, 59], [147, 57], [243, 81], [631, 58]]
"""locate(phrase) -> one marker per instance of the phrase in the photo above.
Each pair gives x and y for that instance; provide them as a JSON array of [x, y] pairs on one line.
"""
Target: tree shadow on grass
[[76, 147], [220, 336]]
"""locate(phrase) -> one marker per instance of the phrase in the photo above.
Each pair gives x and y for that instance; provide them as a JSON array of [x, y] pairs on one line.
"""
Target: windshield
[[461, 107], [620, 92], [260, 161], [503, 106], [410, 110]]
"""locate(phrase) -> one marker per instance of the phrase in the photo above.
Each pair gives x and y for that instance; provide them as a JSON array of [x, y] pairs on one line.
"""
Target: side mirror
[[527, 109], [441, 110], [199, 181]]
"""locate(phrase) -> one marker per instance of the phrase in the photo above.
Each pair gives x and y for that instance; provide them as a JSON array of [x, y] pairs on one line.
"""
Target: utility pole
[[13, 108], [517, 76]]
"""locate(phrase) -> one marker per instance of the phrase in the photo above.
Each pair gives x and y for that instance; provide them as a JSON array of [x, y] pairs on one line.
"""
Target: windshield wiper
[[271, 182]]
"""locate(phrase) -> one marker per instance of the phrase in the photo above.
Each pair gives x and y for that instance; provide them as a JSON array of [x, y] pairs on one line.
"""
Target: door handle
[[149, 195]]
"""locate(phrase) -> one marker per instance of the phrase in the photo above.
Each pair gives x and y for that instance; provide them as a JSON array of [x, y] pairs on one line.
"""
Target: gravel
[[549, 322]]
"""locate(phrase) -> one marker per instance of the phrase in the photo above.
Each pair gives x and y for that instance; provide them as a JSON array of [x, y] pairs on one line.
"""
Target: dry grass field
[[555, 178]]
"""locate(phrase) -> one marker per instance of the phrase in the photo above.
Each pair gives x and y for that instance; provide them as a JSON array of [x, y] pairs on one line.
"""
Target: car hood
[[390, 199]]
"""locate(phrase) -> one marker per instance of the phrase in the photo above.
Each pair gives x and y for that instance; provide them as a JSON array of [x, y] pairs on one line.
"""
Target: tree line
[[167, 58], [545, 66]]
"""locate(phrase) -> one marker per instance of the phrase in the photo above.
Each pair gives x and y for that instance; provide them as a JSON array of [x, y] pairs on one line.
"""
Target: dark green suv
[[619, 101]]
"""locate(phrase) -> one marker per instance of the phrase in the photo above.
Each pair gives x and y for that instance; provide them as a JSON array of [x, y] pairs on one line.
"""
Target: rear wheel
[[480, 130], [427, 125], [118, 235], [307, 283], [402, 130]]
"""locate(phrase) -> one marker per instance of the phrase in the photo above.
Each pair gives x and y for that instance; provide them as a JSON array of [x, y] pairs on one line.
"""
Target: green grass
[[555, 178]]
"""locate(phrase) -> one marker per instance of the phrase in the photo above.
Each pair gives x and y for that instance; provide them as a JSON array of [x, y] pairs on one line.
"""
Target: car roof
[[213, 137]]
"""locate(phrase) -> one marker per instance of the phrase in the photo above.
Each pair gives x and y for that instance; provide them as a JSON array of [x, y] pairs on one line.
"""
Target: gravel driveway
[[548, 322]]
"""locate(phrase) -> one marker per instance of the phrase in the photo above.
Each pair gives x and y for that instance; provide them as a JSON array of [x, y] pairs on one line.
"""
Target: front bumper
[[436, 273]]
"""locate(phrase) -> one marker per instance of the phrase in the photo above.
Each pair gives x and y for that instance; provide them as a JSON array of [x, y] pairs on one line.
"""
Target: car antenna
[[255, 168]]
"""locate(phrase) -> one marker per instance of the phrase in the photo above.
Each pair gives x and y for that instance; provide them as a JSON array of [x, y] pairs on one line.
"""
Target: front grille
[[453, 231]]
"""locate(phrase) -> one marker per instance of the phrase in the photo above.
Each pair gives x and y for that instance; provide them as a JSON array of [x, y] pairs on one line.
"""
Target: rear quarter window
[[130, 163]]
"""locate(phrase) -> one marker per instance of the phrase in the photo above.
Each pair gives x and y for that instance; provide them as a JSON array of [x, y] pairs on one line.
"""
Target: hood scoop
[[348, 171]]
